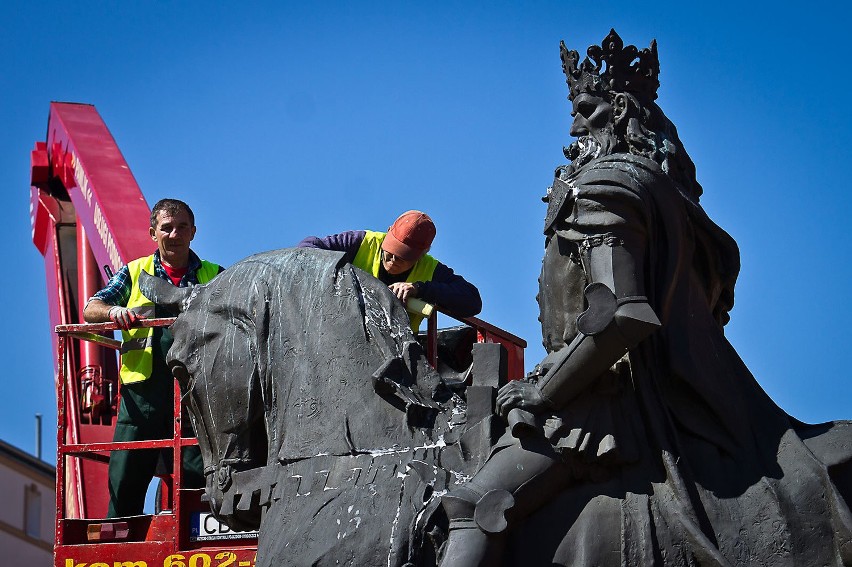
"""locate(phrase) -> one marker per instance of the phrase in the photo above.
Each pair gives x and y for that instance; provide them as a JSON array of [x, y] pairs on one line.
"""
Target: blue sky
[[278, 120]]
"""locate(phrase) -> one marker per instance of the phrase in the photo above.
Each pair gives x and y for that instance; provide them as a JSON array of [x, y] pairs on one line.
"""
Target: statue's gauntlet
[[607, 330]]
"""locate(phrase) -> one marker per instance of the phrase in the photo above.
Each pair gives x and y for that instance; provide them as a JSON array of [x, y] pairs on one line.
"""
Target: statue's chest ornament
[[559, 195]]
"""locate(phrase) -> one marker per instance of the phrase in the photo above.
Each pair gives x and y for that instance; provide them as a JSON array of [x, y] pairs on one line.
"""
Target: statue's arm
[[610, 230]]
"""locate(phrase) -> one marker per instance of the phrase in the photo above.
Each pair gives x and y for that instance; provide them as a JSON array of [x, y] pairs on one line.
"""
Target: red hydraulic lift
[[88, 213]]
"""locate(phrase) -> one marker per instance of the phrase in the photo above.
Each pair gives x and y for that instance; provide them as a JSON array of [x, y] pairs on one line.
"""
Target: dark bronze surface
[[645, 439]]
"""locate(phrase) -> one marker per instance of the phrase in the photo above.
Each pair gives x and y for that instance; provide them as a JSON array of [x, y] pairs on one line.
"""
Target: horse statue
[[319, 420]]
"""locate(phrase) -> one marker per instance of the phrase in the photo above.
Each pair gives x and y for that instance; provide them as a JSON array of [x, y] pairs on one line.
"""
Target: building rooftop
[[13, 453]]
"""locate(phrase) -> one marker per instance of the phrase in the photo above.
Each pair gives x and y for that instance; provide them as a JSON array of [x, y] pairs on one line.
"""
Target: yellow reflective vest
[[369, 258], [137, 350]]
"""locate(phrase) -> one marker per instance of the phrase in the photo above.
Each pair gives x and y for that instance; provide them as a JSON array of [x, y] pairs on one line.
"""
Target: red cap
[[410, 236]]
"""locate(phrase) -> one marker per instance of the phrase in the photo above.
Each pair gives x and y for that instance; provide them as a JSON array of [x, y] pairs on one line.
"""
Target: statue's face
[[591, 115]]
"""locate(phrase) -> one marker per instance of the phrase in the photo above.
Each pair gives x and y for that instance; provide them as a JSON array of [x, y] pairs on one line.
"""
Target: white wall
[[17, 548]]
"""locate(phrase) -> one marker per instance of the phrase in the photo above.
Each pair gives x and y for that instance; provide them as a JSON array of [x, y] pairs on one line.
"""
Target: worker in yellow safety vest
[[147, 386], [399, 259]]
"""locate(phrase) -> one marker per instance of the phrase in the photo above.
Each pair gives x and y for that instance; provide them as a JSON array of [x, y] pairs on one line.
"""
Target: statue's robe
[[714, 472]]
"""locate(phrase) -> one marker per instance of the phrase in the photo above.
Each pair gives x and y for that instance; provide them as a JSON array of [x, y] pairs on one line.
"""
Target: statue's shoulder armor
[[628, 171], [626, 159], [616, 178]]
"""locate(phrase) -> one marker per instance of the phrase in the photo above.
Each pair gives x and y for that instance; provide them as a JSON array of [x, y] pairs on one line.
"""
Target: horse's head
[[214, 360]]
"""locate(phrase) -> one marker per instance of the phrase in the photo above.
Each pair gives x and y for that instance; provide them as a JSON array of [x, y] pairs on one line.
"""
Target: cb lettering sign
[[205, 527]]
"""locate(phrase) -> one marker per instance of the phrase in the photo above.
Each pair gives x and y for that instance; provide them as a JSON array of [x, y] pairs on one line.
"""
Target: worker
[[399, 259], [146, 410]]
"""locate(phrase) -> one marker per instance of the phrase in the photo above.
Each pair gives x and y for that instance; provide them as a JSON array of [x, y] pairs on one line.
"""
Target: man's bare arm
[[96, 311]]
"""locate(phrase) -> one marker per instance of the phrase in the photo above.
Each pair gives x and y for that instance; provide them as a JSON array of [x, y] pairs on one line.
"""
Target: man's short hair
[[171, 207]]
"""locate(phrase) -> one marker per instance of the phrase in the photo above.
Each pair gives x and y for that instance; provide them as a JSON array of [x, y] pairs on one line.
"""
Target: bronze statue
[[642, 438], [318, 418]]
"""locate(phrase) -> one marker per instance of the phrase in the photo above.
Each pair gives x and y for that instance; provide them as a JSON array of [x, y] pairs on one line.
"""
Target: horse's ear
[[162, 292]]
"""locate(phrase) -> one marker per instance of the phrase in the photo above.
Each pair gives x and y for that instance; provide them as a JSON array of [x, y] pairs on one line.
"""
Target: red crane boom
[[87, 212]]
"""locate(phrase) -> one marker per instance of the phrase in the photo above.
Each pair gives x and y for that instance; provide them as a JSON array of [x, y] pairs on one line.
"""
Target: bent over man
[[399, 259], [147, 385]]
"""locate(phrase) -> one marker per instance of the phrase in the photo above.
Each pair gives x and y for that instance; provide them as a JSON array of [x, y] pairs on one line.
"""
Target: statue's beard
[[589, 147], [584, 150]]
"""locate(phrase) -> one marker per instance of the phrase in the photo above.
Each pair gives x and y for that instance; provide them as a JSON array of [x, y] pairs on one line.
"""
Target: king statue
[[642, 438]]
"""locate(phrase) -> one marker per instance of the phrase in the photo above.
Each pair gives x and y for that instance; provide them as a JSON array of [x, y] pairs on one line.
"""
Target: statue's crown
[[623, 73]]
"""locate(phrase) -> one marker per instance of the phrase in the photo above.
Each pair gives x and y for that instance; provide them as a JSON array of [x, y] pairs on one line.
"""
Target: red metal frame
[[485, 333], [161, 539], [86, 211]]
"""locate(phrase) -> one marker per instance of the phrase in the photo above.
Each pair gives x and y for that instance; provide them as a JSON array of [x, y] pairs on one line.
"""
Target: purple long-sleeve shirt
[[446, 289]]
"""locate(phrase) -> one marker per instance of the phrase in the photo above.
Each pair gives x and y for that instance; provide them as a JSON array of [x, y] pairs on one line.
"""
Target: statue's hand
[[520, 394]]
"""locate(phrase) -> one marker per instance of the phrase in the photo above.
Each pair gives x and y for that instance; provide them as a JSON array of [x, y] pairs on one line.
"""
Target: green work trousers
[[146, 412]]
